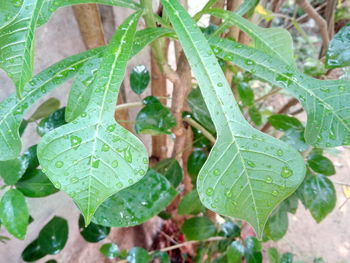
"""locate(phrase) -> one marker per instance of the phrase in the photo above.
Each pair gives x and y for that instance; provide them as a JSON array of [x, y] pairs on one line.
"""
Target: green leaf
[[321, 164], [93, 232], [287, 258], [33, 252], [272, 255], [246, 93], [338, 54], [247, 173], [53, 121], [255, 115], [199, 109], [235, 252], [162, 256], [198, 228], [154, 118], [138, 255], [81, 91], [230, 229], [35, 184], [53, 236], [284, 122], [291, 203], [314, 67], [275, 41], [45, 109], [109, 250], [190, 204], [171, 169], [96, 156], [13, 108], [325, 101], [247, 7], [195, 163], [317, 194], [137, 203], [139, 79], [252, 251], [14, 213], [296, 139], [277, 225]]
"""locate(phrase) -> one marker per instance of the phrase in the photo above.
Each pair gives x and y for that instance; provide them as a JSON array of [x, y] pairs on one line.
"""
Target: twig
[[129, 105], [272, 92], [199, 127]]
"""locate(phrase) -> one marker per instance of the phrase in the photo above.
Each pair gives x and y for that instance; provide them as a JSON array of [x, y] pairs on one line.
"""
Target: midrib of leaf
[[216, 121]]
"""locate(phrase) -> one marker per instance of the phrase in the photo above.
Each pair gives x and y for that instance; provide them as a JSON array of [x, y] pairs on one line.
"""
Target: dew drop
[[57, 185], [302, 98], [268, 180], [105, 148], [95, 164], [75, 141], [220, 84], [280, 152], [130, 181], [216, 172], [228, 193], [74, 180], [286, 172], [251, 164], [249, 62], [115, 164], [209, 191], [127, 155], [341, 88], [59, 164], [274, 193], [145, 160], [325, 89], [119, 185]]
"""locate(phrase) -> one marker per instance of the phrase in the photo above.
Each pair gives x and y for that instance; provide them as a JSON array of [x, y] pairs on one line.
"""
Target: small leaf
[[137, 203], [230, 229], [53, 236], [162, 256], [154, 118], [284, 122], [35, 184], [321, 164], [198, 228], [235, 252], [338, 53], [109, 250], [252, 251], [195, 163], [138, 255], [45, 109], [255, 115], [33, 252], [287, 258], [139, 79], [171, 169], [295, 138], [190, 204], [317, 194], [93, 232], [272, 255], [277, 225], [246, 93], [53, 121], [14, 213]]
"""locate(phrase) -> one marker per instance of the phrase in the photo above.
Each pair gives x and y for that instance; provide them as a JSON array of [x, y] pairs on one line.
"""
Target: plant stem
[[272, 92], [129, 105], [199, 127]]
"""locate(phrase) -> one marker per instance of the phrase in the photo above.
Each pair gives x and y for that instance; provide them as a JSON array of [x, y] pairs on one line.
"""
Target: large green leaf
[[137, 203], [275, 41], [13, 108], [14, 213], [326, 102], [247, 173], [96, 156], [80, 93]]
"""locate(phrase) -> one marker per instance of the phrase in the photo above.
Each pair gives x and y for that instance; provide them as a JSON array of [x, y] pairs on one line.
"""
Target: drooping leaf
[[138, 255], [80, 93], [53, 236], [247, 173], [190, 204], [53, 121], [275, 41], [35, 184], [93, 232], [338, 53], [321, 164], [33, 252], [198, 228], [45, 109], [14, 213], [109, 250], [137, 203], [13, 108], [154, 118], [317, 194], [171, 169], [139, 79], [277, 225], [284, 122], [325, 101], [96, 156]]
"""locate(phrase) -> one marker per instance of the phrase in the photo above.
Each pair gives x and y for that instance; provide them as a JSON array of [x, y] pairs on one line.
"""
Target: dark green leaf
[[252, 251], [109, 250], [287, 258], [33, 252], [138, 255], [272, 255], [199, 140], [338, 53], [230, 229], [321, 164], [36, 184], [255, 115], [291, 203], [277, 225], [22, 127], [317, 193], [235, 252], [198, 228], [171, 169], [195, 162], [137, 203], [51, 261], [93, 232], [314, 67], [53, 121], [45, 109], [14, 213], [154, 119], [190, 204], [246, 93], [284, 122], [139, 79], [295, 138], [53, 236], [162, 256]]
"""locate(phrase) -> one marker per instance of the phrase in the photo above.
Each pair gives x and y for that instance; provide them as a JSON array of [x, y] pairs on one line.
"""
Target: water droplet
[[105, 148], [250, 62], [141, 172], [83, 114], [274, 193], [115, 164], [57, 185], [74, 180], [302, 98], [209, 191], [216, 172], [95, 164], [325, 89], [119, 185], [286, 172], [228, 193], [280, 152], [75, 141], [130, 181], [251, 164], [332, 134], [145, 160], [127, 155], [341, 88], [228, 57], [59, 164], [268, 180], [220, 84]]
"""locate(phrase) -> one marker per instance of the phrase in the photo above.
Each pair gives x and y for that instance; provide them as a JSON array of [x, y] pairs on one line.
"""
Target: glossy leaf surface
[[33, 252], [247, 173], [109, 250], [137, 203], [171, 169], [96, 156], [93, 232], [325, 101], [138, 255], [14, 213], [198, 228], [53, 121], [338, 53], [45, 109], [321, 164], [139, 79]]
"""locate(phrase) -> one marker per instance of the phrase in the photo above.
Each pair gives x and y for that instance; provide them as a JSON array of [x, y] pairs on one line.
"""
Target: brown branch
[[219, 4], [329, 17]]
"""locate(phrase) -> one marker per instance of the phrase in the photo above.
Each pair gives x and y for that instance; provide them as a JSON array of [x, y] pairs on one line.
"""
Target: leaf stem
[[129, 105], [199, 127]]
